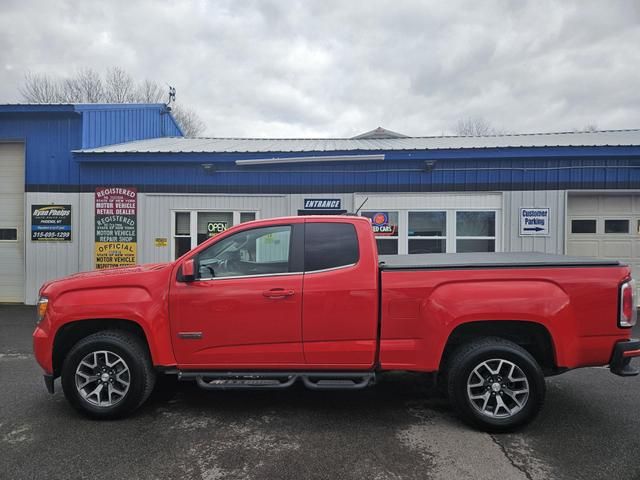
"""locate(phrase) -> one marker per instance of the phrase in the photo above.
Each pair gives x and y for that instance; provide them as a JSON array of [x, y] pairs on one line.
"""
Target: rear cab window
[[329, 245]]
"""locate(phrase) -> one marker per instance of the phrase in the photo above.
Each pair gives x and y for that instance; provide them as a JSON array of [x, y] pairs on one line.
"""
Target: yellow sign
[[161, 242], [115, 254]]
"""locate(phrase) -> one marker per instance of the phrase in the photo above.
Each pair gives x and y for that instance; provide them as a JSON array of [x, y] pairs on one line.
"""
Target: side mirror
[[189, 270]]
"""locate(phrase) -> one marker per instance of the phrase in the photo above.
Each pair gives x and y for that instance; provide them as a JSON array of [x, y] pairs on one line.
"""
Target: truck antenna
[[361, 205]]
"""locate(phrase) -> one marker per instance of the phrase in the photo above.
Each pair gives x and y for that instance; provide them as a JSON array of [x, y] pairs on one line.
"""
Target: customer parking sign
[[534, 222]]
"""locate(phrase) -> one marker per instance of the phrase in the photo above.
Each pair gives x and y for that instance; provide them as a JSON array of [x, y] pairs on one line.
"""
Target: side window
[[329, 245], [259, 251], [616, 226], [475, 231], [583, 226]]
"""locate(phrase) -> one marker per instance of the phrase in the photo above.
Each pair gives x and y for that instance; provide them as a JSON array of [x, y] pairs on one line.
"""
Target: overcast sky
[[338, 68]]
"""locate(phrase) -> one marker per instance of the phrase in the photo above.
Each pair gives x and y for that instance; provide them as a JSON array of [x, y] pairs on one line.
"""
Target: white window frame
[[387, 237], [11, 227], [495, 228], [630, 231], [415, 237], [193, 223], [452, 234]]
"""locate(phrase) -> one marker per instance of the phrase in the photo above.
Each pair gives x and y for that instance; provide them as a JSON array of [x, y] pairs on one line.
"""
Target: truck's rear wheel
[[495, 385], [107, 374]]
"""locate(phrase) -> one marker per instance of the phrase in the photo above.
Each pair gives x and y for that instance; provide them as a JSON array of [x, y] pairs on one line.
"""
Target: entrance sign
[[534, 222], [116, 227], [322, 204]]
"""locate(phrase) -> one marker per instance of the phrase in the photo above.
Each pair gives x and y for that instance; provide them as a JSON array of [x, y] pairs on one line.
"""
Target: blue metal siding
[[49, 139], [391, 175], [52, 132], [51, 135], [119, 125]]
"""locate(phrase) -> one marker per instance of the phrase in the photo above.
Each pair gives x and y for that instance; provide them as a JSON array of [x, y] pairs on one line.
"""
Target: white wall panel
[[552, 199], [50, 260], [46, 261], [429, 201]]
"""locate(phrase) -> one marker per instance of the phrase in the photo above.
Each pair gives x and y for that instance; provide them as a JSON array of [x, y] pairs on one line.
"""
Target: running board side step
[[330, 381], [279, 380]]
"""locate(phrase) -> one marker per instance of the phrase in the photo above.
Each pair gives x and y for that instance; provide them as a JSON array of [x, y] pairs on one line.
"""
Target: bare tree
[[91, 86], [40, 88], [120, 87], [475, 127], [116, 86], [71, 91], [189, 121], [149, 91]]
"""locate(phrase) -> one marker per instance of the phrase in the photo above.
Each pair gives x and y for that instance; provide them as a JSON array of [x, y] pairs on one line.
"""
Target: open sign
[[214, 228]]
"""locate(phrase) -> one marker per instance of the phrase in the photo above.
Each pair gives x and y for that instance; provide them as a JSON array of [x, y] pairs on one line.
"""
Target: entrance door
[[12, 222], [245, 306], [192, 227]]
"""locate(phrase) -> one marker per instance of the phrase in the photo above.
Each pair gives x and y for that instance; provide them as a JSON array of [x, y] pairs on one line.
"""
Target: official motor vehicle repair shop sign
[[534, 222], [116, 227], [51, 223]]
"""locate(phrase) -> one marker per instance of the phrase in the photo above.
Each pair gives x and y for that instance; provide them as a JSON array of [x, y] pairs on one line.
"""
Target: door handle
[[278, 293]]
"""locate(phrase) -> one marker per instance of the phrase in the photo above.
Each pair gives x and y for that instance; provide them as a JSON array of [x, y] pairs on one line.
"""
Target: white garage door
[[605, 226], [11, 222]]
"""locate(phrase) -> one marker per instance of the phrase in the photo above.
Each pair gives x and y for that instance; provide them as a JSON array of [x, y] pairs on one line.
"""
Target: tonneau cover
[[487, 260]]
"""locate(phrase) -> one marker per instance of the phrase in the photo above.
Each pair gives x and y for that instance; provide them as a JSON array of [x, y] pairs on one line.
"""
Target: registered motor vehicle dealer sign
[[116, 227], [534, 222]]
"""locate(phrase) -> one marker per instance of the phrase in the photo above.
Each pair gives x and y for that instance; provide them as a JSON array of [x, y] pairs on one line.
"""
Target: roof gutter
[[324, 158]]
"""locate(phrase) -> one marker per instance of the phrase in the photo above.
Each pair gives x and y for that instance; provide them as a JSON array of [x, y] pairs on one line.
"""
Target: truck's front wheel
[[495, 384], [107, 374]]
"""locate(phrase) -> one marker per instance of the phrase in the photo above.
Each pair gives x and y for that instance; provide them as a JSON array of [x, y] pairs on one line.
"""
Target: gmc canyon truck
[[273, 302]]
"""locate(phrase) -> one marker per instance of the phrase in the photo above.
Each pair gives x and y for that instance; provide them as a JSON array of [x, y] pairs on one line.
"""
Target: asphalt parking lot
[[398, 429]]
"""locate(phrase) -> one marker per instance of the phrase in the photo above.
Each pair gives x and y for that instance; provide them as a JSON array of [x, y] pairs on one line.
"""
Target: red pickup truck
[[273, 302]]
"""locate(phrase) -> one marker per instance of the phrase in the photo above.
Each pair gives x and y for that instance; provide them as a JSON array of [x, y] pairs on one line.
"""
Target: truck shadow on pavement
[[392, 391]]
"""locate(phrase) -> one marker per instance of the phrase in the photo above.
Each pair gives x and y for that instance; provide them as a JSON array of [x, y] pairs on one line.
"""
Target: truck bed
[[487, 260]]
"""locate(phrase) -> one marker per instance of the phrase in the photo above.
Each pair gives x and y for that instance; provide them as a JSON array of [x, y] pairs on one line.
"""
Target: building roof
[[74, 107], [604, 138], [380, 133]]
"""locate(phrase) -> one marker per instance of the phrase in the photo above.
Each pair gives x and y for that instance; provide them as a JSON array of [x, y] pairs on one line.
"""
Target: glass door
[[211, 224], [191, 228]]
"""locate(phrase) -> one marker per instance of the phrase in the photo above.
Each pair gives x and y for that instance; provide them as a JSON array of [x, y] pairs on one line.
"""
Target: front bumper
[[623, 352], [42, 348], [48, 382]]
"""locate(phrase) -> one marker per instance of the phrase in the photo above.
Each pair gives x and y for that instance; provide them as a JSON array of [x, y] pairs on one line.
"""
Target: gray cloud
[[335, 68]]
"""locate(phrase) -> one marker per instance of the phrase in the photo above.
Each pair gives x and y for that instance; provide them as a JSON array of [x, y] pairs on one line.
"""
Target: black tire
[[461, 366], [134, 356]]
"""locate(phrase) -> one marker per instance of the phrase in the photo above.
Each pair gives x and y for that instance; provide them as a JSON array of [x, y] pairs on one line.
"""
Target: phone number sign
[[116, 227], [51, 223]]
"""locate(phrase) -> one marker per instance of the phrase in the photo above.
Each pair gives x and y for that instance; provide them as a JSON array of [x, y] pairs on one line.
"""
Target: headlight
[[43, 303]]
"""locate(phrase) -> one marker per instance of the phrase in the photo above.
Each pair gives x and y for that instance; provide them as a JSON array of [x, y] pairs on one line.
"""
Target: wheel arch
[[534, 337], [71, 333]]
